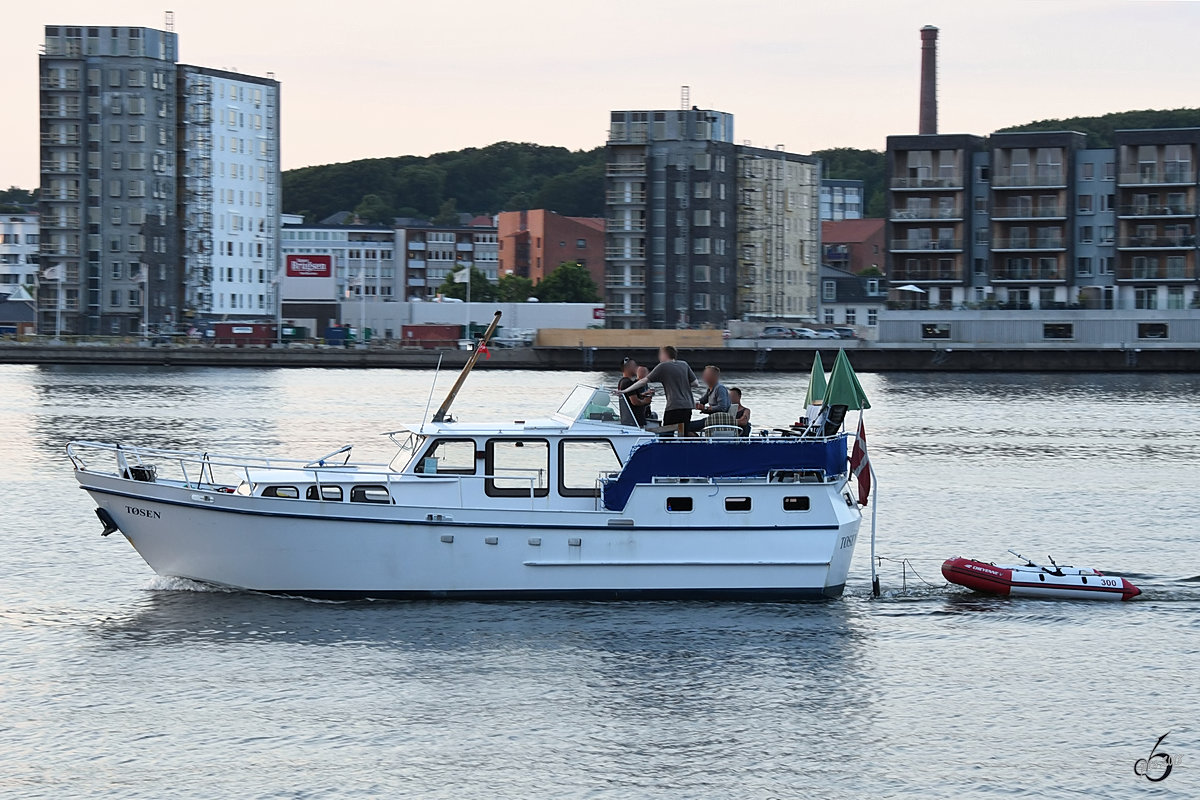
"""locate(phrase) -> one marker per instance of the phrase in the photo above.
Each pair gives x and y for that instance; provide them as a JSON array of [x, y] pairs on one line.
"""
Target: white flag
[[463, 275], [56, 273], [141, 275]]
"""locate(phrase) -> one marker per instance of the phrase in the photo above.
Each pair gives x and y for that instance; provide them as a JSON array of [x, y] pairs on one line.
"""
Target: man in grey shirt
[[677, 380], [714, 401]]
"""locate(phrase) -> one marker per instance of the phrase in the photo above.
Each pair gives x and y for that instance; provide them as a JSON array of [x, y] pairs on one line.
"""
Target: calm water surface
[[116, 683]]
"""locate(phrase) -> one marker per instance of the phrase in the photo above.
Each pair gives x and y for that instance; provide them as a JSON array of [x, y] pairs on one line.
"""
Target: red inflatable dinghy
[[1032, 580]]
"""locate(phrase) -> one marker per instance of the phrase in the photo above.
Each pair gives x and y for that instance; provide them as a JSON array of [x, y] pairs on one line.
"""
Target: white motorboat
[[577, 506]]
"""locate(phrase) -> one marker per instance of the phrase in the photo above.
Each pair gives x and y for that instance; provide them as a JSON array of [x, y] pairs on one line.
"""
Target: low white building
[[19, 250]]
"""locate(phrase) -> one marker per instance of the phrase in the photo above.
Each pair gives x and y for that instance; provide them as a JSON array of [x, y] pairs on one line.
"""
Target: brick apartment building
[[534, 242]]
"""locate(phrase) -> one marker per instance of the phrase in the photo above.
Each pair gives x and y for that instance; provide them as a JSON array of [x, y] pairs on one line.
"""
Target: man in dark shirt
[[633, 410]]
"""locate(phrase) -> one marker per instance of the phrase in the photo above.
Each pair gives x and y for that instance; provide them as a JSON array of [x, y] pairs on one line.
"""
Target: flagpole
[[874, 512], [58, 308]]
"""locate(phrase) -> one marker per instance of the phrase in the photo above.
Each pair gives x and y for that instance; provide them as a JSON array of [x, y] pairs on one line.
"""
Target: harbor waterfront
[[120, 684], [767, 356]]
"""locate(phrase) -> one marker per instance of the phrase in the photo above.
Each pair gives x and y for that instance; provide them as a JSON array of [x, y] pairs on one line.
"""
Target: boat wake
[[161, 583]]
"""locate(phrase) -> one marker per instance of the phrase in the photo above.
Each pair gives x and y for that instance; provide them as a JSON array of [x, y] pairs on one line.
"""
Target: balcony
[[416, 245], [617, 198], [59, 249], [1048, 179], [1167, 175], [625, 169], [901, 275], [925, 214], [625, 254], [621, 282], [625, 226], [60, 111], [633, 133], [1165, 210], [57, 83], [1154, 272], [51, 222], [926, 245], [930, 182], [1027, 274], [622, 311], [1029, 243], [55, 167], [1029, 212], [416, 264], [1156, 243], [61, 139], [464, 247]]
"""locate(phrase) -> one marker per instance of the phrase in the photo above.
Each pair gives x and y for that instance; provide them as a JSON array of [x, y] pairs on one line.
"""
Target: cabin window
[[737, 503], [937, 330], [370, 494], [448, 457], [332, 494], [1058, 330], [581, 462], [287, 492], [795, 504], [514, 466], [679, 504]]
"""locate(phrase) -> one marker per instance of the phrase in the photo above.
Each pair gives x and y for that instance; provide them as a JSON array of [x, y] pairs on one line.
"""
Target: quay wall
[[872, 358]]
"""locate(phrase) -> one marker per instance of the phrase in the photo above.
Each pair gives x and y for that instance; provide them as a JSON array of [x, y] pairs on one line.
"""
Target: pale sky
[[383, 77]]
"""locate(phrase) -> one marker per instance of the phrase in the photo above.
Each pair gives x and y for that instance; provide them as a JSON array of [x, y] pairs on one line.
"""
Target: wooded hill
[[508, 176]]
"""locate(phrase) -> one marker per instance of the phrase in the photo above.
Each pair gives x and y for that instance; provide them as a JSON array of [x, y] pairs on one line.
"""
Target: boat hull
[[347, 552], [1019, 581]]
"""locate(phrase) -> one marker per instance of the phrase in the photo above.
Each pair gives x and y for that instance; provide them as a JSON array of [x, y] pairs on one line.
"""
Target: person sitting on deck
[[677, 380], [741, 414], [714, 401]]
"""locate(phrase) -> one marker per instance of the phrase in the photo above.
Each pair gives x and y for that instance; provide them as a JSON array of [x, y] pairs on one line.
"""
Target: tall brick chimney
[[929, 36]]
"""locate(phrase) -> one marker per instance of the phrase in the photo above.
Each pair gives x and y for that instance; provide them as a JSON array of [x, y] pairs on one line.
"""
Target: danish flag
[[860, 464], [483, 348]]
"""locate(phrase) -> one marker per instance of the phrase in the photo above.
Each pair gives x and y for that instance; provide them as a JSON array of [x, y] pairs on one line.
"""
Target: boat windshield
[[409, 446], [589, 404]]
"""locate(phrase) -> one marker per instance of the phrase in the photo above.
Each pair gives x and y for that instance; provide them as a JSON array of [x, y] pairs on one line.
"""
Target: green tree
[[514, 289], [373, 208], [482, 290], [447, 214], [570, 282]]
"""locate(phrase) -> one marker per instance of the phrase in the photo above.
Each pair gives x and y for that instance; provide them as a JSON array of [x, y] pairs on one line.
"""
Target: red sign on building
[[309, 266]]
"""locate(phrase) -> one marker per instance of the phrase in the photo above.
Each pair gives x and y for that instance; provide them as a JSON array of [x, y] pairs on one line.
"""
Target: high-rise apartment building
[[231, 194], [124, 235], [778, 234], [670, 195], [431, 252], [1040, 220]]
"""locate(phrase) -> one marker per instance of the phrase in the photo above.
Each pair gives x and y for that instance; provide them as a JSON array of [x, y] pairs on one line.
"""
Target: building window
[[851, 316], [580, 244], [1083, 266], [1146, 299], [829, 291], [1058, 330], [1107, 234], [872, 317], [828, 316], [1152, 330], [1086, 234], [1089, 171], [1175, 297], [1084, 204]]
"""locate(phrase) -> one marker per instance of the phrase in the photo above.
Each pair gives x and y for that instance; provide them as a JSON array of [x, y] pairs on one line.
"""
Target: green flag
[[844, 388], [816, 382]]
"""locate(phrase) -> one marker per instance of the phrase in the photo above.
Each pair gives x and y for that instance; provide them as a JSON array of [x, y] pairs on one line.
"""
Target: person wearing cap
[[633, 410]]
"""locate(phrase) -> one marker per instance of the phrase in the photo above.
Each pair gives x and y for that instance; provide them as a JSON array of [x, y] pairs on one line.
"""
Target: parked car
[[777, 332], [846, 333], [804, 333], [827, 333]]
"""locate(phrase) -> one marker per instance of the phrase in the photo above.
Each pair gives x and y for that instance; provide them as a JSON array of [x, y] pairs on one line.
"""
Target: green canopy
[[816, 382], [844, 388]]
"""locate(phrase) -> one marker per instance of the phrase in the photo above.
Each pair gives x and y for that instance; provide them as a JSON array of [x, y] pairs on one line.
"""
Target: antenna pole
[[432, 386], [440, 415]]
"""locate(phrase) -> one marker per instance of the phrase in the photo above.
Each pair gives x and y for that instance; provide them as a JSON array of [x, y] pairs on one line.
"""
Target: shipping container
[[431, 337], [243, 333]]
